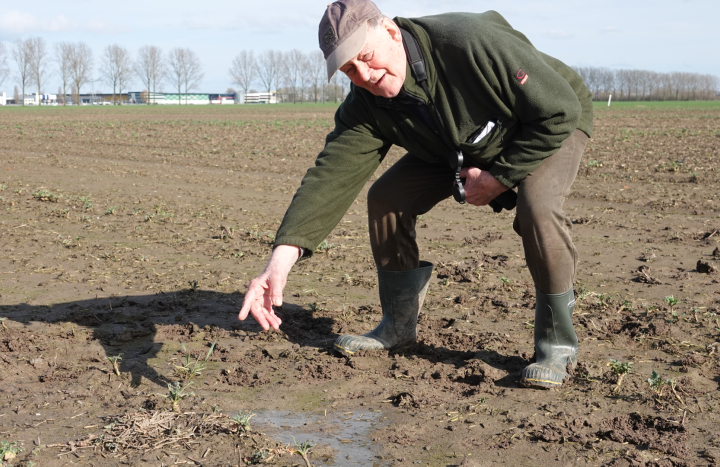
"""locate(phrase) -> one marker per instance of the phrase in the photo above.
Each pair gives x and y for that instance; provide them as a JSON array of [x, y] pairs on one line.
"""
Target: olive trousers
[[411, 187]]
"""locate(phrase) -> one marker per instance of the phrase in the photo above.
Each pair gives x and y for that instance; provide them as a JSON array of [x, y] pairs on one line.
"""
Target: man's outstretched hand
[[266, 290], [481, 186]]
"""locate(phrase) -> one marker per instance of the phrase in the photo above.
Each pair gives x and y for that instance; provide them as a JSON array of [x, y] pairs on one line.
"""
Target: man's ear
[[392, 29]]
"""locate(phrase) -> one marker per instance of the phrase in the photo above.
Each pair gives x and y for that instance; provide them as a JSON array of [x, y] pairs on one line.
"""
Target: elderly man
[[481, 112]]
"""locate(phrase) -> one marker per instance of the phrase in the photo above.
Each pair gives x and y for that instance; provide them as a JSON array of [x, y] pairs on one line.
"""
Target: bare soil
[[134, 231]]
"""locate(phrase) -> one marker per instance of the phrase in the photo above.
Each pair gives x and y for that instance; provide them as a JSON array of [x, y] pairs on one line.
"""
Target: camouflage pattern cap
[[343, 30]]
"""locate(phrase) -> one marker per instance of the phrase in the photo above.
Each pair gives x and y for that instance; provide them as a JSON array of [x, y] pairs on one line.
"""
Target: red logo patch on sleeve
[[521, 76]]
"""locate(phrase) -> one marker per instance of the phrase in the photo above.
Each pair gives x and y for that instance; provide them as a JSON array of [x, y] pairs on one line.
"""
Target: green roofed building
[[159, 98]]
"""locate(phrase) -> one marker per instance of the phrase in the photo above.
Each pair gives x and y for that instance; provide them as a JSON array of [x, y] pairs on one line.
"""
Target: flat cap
[[343, 30]]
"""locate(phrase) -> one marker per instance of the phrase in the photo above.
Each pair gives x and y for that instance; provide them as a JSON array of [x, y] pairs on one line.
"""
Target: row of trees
[[73, 64], [642, 85], [297, 76]]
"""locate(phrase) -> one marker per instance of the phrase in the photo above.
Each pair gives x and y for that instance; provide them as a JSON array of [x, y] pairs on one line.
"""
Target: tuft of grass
[[190, 370], [177, 393]]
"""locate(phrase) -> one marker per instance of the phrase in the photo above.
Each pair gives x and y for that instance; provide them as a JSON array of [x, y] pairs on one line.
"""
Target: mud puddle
[[348, 434]]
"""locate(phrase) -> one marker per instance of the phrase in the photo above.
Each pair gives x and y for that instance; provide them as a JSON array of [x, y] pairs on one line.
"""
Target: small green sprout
[[190, 370], [114, 360], [303, 449], [86, 201], [45, 195], [657, 385], [325, 246], [242, 419], [620, 369], [8, 451], [177, 394], [672, 301]]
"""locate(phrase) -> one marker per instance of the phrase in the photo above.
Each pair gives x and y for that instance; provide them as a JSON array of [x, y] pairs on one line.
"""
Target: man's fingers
[[255, 292], [276, 293], [247, 304]]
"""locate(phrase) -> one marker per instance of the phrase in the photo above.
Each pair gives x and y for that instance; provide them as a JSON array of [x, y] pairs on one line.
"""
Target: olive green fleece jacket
[[479, 70]]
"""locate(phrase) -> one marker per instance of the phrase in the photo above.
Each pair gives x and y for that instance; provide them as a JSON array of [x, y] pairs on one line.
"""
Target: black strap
[[506, 199]]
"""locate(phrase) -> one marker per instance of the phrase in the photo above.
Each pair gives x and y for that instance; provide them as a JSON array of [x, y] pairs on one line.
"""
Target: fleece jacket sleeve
[[353, 151]]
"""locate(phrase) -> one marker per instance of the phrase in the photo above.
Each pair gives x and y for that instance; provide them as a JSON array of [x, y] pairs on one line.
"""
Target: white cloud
[[19, 23], [16, 22]]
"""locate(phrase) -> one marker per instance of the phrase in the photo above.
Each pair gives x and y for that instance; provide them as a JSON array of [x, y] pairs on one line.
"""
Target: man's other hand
[[266, 290], [481, 186]]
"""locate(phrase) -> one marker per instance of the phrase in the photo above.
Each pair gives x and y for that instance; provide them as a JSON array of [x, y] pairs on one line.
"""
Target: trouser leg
[[541, 220], [409, 188]]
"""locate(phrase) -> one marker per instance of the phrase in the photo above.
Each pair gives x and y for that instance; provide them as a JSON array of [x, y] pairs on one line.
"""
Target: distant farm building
[[145, 97], [261, 98]]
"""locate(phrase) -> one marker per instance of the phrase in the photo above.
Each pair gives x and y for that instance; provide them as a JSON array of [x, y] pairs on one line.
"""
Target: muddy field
[[132, 233]]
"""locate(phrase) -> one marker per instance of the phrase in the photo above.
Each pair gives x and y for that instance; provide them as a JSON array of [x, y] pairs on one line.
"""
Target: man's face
[[380, 66]]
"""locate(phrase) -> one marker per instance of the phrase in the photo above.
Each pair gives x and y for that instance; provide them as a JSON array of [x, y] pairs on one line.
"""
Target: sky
[[655, 35]]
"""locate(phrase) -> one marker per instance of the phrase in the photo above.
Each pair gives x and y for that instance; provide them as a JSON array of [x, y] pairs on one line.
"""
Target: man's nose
[[363, 72]]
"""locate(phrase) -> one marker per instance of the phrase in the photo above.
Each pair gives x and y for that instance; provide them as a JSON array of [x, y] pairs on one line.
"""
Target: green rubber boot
[[556, 343], [401, 296]]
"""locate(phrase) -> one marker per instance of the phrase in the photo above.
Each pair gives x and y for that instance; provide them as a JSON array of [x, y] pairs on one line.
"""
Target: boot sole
[[350, 353], [539, 383]]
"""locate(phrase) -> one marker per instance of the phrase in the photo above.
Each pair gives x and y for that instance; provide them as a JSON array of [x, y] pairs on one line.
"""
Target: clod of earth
[[705, 267]]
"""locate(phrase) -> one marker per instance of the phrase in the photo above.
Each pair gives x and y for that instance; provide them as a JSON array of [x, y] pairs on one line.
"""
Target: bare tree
[[4, 69], [185, 70], [63, 55], [318, 73], [38, 63], [292, 68], [150, 68], [268, 68], [80, 64], [116, 68], [305, 76], [22, 54], [243, 70]]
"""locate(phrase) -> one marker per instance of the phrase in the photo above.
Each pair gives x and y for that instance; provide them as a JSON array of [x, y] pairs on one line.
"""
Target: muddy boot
[[401, 296], [555, 341]]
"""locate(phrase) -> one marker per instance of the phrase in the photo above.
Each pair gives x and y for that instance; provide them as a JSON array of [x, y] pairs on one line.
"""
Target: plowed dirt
[[133, 231]]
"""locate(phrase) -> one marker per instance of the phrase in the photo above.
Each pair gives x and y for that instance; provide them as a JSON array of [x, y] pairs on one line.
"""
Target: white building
[[261, 98], [3, 98]]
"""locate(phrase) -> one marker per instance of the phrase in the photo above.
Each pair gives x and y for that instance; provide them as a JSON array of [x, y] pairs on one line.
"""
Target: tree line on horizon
[[643, 85], [294, 75]]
